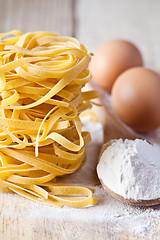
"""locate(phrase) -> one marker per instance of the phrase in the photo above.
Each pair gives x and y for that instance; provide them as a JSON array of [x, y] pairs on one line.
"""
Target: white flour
[[131, 168], [109, 219]]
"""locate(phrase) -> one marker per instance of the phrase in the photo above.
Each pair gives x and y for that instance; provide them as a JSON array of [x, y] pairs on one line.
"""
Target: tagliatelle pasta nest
[[41, 77]]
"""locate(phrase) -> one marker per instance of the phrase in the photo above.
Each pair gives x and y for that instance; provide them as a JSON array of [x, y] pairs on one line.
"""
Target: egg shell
[[136, 98], [111, 59]]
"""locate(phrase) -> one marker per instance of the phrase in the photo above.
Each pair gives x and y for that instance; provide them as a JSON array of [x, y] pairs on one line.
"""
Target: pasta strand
[[41, 77]]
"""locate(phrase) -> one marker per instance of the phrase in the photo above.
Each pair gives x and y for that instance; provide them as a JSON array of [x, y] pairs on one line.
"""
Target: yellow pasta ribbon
[[41, 77]]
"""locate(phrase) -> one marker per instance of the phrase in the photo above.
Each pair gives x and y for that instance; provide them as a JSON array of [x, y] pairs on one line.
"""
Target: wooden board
[[34, 15], [22, 219], [92, 22]]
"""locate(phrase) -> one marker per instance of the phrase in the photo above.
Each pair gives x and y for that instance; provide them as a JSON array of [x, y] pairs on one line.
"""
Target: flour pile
[[131, 168]]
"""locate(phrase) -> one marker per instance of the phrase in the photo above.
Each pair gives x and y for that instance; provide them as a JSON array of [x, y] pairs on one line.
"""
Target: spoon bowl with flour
[[129, 170]]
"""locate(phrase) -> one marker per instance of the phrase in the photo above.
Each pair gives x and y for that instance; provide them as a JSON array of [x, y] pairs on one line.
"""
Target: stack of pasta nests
[[42, 75]]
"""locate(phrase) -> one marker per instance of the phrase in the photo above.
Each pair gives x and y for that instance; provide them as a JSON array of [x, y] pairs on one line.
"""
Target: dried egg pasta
[[41, 76]]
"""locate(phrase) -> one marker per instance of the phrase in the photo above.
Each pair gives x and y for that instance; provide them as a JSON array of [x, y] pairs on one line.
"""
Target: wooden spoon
[[141, 202], [151, 202], [114, 128]]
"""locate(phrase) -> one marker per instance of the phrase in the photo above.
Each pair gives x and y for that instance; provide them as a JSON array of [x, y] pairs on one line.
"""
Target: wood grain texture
[[92, 22], [22, 219], [37, 15]]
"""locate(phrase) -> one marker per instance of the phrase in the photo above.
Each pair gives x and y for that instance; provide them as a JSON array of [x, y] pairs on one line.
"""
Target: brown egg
[[136, 98], [111, 59]]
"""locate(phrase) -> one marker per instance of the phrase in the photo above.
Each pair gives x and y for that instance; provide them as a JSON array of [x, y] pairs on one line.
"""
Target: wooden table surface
[[92, 22]]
